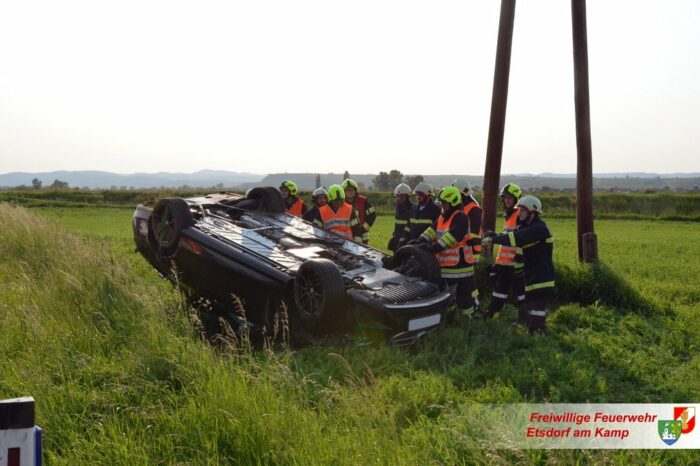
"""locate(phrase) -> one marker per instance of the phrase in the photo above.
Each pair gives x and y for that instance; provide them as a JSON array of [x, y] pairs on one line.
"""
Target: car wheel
[[169, 217], [318, 295], [270, 199], [415, 262]]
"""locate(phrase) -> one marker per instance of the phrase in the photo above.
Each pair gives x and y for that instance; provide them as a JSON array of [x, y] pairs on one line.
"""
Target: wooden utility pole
[[499, 100], [587, 242]]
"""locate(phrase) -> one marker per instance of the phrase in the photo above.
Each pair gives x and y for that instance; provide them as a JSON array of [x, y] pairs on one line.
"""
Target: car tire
[[415, 262], [168, 218], [319, 293], [270, 199]]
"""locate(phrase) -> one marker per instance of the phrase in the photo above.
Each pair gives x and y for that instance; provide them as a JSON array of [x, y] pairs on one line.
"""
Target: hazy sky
[[319, 86]]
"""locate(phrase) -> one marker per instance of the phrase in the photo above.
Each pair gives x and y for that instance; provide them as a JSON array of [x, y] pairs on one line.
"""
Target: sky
[[327, 86]]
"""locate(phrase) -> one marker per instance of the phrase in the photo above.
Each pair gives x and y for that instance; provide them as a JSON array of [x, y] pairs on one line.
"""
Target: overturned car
[[222, 245]]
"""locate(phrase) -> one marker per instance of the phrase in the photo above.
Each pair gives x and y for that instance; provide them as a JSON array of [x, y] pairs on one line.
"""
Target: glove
[[431, 248], [392, 244], [489, 234]]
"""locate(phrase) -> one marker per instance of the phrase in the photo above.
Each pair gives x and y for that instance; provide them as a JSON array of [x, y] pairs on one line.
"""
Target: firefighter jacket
[[473, 211], [422, 217], [537, 245], [402, 216], [450, 233], [505, 255]]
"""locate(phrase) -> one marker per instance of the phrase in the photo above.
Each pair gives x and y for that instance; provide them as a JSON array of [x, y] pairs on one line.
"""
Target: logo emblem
[[670, 431], [687, 418]]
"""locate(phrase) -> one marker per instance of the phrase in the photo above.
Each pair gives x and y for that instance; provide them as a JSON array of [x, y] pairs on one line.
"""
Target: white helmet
[[318, 192], [402, 188], [463, 186], [423, 187], [531, 203]]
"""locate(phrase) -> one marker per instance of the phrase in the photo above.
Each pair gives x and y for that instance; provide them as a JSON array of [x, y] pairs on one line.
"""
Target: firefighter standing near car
[[402, 215], [424, 213], [319, 198], [535, 239], [338, 216], [365, 210], [473, 211], [506, 272], [447, 239], [294, 205]]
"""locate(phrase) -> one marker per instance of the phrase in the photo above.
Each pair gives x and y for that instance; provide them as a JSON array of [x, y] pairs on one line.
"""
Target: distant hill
[[101, 179], [306, 181]]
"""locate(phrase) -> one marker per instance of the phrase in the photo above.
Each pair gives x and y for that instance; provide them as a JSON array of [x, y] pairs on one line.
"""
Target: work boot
[[536, 323], [523, 316]]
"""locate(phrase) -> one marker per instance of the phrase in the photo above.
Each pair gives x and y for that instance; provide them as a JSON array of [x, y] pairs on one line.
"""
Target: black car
[[222, 245]]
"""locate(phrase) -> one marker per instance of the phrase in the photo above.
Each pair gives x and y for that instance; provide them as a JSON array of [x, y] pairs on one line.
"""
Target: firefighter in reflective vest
[[535, 239], [319, 198], [402, 214], [424, 213], [473, 211], [474, 214], [447, 239], [506, 272], [338, 216], [294, 205], [361, 204]]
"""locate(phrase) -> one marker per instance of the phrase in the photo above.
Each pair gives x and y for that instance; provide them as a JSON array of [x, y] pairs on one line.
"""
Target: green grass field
[[122, 376]]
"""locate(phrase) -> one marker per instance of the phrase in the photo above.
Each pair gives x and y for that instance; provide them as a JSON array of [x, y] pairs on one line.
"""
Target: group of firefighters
[[449, 226]]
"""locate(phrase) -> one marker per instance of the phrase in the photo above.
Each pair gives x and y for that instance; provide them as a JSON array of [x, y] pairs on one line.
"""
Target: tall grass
[[122, 376]]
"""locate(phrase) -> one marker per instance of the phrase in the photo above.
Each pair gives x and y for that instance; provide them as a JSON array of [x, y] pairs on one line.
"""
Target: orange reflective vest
[[506, 254], [474, 251], [337, 222], [450, 256], [296, 208]]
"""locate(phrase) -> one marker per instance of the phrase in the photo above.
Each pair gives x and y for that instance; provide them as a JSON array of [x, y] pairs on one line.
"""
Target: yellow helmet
[[450, 195], [336, 192], [512, 189], [289, 186], [349, 183]]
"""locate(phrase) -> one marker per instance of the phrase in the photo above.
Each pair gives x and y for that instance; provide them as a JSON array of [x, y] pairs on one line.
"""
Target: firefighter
[[447, 239], [535, 239], [338, 216], [506, 272], [361, 204], [424, 213], [473, 211], [294, 205], [319, 198], [402, 215]]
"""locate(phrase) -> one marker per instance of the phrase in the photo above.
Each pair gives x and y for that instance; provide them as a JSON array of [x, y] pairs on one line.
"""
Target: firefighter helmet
[[450, 195], [512, 189], [289, 186], [531, 203], [463, 186], [403, 188], [348, 183], [319, 192], [335, 192], [424, 188]]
